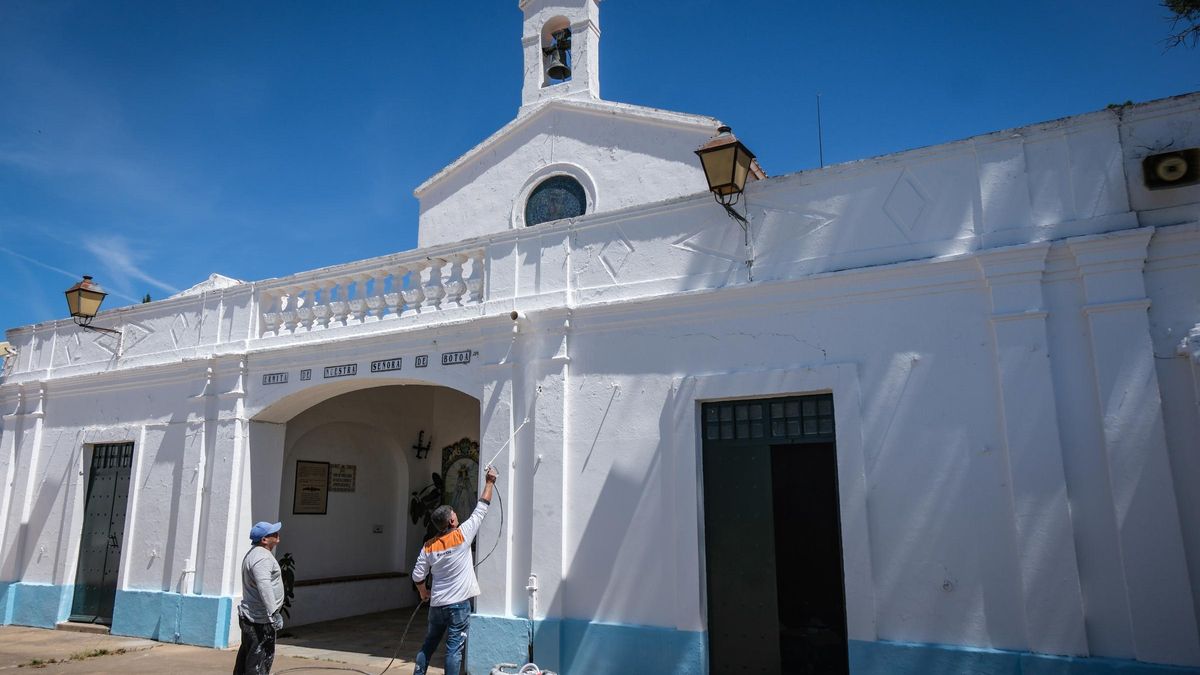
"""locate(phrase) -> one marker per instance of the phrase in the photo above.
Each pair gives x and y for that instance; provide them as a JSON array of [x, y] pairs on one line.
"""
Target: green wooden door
[[103, 530], [743, 624], [772, 537]]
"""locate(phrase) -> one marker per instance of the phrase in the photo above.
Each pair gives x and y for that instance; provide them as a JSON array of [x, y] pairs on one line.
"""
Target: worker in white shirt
[[447, 559]]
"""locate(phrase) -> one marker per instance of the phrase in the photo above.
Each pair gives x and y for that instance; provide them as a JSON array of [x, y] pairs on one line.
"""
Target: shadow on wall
[[612, 569], [51, 492]]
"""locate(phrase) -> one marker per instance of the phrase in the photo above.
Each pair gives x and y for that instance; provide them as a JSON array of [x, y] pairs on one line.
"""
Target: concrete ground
[[365, 643]]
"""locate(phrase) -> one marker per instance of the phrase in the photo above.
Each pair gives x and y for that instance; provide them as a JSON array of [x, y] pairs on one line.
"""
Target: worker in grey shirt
[[262, 598]]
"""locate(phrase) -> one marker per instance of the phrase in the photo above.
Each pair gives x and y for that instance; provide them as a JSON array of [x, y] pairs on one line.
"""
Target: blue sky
[[152, 143]]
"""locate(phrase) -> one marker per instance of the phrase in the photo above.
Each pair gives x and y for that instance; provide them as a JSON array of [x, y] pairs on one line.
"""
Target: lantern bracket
[[741, 220], [86, 324]]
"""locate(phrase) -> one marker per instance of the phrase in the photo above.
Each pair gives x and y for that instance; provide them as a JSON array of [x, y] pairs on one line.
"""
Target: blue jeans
[[453, 617]]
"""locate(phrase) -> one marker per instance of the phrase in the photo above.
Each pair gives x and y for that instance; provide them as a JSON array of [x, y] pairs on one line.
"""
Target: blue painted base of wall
[[575, 647], [39, 605], [6, 602], [901, 657], [171, 617]]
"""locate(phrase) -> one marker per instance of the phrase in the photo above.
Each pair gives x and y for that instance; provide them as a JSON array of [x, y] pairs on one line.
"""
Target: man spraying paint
[[448, 561]]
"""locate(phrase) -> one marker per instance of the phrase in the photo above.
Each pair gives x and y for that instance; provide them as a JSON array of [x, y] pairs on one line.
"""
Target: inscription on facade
[[306, 374], [455, 358], [341, 371], [421, 361], [386, 365], [275, 378]]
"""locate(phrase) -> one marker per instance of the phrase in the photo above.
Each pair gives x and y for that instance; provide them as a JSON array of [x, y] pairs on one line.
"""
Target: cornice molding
[[1112, 251], [1142, 304], [1019, 316]]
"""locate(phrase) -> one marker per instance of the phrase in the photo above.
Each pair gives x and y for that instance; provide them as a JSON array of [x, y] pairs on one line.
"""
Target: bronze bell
[[556, 67]]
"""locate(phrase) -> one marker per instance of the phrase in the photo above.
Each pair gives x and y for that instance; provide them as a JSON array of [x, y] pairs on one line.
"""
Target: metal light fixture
[[83, 299], [422, 449], [728, 163], [1172, 169]]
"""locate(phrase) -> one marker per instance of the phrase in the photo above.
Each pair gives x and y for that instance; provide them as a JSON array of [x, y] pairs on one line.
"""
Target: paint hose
[[356, 670], [527, 669]]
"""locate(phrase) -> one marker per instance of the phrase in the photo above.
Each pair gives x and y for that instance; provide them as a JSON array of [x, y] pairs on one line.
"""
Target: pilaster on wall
[[10, 432], [501, 427], [20, 445], [1157, 586], [1049, 568], [547, 464], [227, 481], [524, 418]]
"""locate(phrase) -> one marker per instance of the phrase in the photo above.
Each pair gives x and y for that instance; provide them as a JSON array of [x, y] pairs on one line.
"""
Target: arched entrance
[[345, 472]]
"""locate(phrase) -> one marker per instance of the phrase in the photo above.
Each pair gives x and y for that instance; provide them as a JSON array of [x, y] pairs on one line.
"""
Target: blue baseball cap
[[262, 529]]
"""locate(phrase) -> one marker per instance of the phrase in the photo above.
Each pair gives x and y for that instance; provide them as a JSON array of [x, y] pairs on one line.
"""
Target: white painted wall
[[173, 540], [956, 555]]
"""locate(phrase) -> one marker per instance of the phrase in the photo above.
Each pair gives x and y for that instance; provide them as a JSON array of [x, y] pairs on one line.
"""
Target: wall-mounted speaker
[[1172, 169]]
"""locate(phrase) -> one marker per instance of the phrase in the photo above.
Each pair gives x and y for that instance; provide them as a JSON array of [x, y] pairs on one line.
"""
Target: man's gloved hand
[[492, 474]]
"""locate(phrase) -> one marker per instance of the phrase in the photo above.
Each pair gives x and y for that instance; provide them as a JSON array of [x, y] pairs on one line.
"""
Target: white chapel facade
[[934, 412]]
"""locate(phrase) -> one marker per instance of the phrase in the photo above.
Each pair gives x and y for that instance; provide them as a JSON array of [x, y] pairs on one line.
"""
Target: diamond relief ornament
[[905, 203], [615, 252]]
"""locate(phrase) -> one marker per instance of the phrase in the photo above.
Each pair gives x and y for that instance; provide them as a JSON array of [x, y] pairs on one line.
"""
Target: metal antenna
[[820, 142]]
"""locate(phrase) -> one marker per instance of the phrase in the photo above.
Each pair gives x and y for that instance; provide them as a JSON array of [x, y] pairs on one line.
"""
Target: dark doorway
[[772, 535], [103, 530]]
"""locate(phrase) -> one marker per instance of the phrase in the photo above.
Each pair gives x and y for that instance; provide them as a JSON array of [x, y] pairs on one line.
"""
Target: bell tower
[[561, 41]]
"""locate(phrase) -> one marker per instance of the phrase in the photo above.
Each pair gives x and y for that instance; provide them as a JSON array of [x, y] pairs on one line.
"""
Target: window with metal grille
[[794, 418], [112, 455]]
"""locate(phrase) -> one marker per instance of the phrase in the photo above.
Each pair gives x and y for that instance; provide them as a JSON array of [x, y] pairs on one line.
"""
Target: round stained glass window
[[555, 198]]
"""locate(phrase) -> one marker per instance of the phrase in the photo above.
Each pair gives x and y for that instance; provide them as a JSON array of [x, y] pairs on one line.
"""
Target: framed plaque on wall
[[312, 488]]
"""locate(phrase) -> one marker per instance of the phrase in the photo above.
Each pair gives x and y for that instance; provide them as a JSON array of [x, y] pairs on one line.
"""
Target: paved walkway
[[368, 641], [363, 643]]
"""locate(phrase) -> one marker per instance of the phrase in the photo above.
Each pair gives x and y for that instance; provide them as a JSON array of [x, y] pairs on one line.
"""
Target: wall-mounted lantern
[[83, 301], [728, 164]]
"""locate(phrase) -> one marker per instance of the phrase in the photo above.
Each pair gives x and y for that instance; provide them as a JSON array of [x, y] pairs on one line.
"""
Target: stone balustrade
[[362, 293]]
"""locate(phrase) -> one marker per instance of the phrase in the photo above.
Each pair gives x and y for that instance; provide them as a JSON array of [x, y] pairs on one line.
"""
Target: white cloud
[[123, 264], [71, 275]]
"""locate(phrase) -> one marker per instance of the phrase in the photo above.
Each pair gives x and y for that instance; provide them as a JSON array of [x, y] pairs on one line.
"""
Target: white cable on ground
[[527, 669], [356, 670]]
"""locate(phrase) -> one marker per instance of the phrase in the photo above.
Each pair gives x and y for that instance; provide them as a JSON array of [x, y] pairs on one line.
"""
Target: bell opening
[[556, 50]]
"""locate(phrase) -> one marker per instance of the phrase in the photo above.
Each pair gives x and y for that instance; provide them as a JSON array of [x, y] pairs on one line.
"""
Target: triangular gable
[[623, 155]]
